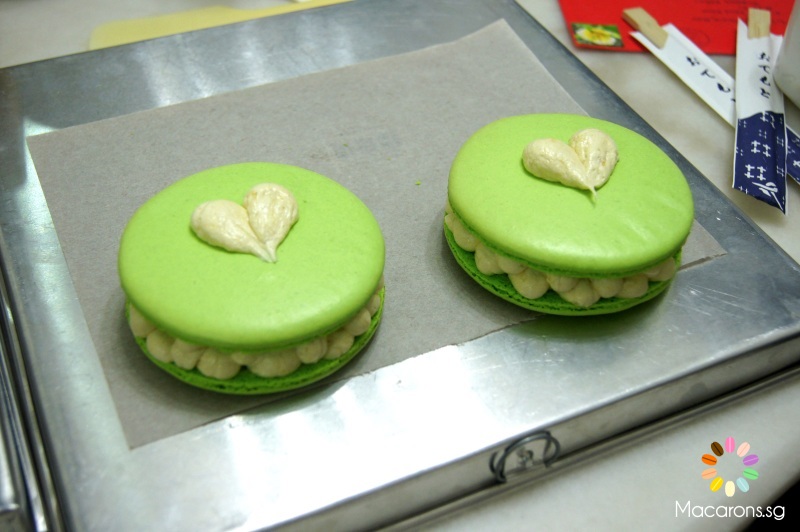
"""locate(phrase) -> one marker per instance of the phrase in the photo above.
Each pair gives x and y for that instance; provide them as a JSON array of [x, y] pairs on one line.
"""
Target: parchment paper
[[386, 129]]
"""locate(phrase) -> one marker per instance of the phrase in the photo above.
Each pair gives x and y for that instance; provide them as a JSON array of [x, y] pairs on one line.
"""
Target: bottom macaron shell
[[248, 383], [550, 302]]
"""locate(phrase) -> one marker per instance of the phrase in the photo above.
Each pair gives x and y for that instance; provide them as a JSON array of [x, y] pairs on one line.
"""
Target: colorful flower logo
[[602, 35], [748, 473]]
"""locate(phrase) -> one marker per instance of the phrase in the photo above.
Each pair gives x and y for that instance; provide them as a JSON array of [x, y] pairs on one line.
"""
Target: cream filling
[[533, 284], [218, 365]]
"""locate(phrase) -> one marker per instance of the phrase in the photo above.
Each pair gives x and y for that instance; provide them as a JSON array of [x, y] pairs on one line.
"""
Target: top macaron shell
[[328, 266], [639, 218]]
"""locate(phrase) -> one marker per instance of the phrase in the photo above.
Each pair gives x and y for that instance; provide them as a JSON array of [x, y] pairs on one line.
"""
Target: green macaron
[[203, 299], [635, 225]]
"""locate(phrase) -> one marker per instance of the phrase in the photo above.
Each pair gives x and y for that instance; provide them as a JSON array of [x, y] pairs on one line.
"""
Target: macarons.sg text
[[689, 510]]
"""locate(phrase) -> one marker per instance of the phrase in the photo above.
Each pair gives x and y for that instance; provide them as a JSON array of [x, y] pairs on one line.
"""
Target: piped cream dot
[[359, 324], [529, 283], [509, 266], [582, 294], [486, 261], [662, 272], [278, 364], [609, 287], [140, 326], [561, 283], [186, 355], [634, 286], [339, 343], [159, 344], [217, 365]]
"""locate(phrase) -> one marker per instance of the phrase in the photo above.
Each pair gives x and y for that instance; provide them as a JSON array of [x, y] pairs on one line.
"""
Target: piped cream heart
[[273, 211], [258, 227], [586, 162]]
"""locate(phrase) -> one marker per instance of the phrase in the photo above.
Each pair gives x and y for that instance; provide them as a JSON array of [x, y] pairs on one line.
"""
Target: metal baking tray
[[386, 445]]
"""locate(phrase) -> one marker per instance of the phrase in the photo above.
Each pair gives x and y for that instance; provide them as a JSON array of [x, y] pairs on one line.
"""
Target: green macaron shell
[[550, 302], [328, 266], [639, 218], [248, 383]]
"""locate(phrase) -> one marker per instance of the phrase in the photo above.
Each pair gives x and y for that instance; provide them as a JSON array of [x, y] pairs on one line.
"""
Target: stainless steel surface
[[642, 436], [13, 514], [13, 502], [23, 503], [409, 436]]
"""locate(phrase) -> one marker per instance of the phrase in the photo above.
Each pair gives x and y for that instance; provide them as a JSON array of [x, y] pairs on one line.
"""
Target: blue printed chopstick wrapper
[[759, 166], [711, 83], [792, 154]]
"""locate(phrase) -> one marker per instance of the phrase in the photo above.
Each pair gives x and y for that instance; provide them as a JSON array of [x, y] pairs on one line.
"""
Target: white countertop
[[633, 487]]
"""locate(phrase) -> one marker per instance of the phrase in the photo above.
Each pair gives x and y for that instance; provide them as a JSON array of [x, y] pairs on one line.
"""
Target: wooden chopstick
[[758, 21], [642, 21]]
